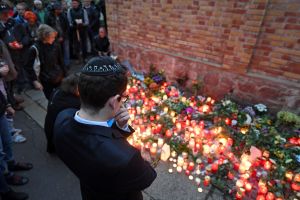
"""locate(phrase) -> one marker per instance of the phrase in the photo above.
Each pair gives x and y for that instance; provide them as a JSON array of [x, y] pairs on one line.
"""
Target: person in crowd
[[66, 96], [58, 20], [102, 13], [32, 25], [78, 21], [7, 193], [7, 162], [5, 61], [39, 11], [8, 30], [21, 8], [22, 42], [52, 69], [101, 43], [94, 22], [92, 141]]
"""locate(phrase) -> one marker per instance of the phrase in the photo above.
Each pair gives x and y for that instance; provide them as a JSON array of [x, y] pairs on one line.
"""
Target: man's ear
[[113, 101]]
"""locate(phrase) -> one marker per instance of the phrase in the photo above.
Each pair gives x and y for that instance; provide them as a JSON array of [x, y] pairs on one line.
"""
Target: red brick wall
[[250, 47]]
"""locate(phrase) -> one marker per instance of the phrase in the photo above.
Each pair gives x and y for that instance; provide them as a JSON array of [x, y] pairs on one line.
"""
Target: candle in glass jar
[[289, 175], [185, 154], [248, 187], [166, 109], [179, 169], [185, 166], [173, 114], [138, 110], [180, 161], [192, 144], [160, 142], [191, 166], [153, 149], [178, 126], [173, 154], [240, 183]]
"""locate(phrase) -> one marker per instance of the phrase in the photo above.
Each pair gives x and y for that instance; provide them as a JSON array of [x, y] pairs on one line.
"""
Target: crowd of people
[[38, 45]]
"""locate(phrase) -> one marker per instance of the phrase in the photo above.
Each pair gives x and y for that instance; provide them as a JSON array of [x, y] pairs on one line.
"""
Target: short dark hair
[[70, 84], [96, 90]]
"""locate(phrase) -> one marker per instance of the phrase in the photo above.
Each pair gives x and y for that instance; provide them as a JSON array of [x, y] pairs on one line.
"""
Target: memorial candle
[[160, 142], [180, 161], [153, 149], [248, 187]]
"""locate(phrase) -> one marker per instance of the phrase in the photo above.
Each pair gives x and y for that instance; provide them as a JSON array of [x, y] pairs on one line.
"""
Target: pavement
[[51, 180]]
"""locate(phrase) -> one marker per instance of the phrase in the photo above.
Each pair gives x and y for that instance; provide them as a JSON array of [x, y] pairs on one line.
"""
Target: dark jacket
[[59, 101], [63, 23], [77, 14], [93, 16], [18, 32], [3, 104], [51, 59], [101, 44], [107, 166]]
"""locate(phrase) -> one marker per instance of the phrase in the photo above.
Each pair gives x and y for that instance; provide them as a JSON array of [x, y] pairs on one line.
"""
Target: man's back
[[107, 166]]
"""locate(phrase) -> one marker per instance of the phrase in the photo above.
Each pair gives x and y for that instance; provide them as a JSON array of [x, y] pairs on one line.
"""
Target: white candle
[[173, 154], [185, 154], [179, 169], [160, 142], [153, 149], [180, 161]]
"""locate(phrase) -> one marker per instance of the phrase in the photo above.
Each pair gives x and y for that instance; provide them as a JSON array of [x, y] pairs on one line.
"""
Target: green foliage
[[288, 119]]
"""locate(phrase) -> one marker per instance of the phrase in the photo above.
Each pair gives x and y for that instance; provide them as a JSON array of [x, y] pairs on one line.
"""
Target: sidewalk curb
[[34, 108]]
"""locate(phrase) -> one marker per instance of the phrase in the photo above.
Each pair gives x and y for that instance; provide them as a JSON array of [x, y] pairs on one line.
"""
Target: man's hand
[[122, 117], [146, 155], [4, 70], [37, 85], [10, 111]]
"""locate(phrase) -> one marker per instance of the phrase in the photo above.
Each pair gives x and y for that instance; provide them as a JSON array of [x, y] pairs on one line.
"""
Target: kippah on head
[[101, 66]]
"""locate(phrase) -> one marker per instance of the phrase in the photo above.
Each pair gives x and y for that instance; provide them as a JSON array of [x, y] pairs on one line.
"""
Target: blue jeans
[[6, 154]]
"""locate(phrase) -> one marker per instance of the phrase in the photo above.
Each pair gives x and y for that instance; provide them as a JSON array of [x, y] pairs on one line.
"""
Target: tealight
[[179, 169], [198, 180]]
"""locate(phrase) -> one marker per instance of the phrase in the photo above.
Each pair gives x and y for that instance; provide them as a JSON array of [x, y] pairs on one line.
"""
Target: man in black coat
[[92, 141], [101, 44], [66, 96]]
